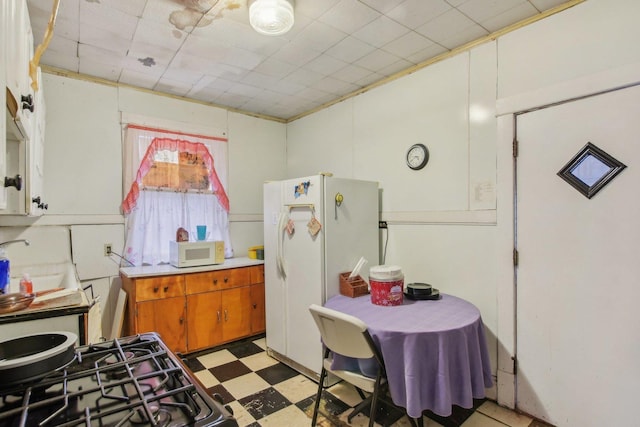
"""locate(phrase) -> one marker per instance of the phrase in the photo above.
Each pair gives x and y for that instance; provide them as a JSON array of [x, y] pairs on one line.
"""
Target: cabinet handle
[[156, 289], [226, 279], [218, 316], [226, 315], [215, 281], [255, 306], [166, 288], [181, 320]]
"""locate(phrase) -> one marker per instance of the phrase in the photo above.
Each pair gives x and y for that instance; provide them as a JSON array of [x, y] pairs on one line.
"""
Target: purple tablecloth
[[435, 352]]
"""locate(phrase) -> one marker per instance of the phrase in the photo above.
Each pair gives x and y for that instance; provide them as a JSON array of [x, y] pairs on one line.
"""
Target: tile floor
[[264, 392]]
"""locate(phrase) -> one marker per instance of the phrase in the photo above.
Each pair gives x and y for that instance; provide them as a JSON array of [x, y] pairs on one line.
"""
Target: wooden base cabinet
[[195, 311]]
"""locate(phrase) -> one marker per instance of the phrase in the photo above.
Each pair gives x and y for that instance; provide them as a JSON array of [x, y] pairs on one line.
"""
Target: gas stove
[[131, 381]]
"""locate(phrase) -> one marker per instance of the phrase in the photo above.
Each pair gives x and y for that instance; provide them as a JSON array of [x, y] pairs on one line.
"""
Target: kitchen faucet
[[8, 242]]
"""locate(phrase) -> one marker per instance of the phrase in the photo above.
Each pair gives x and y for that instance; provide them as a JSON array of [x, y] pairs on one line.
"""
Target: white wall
[[451, 223]]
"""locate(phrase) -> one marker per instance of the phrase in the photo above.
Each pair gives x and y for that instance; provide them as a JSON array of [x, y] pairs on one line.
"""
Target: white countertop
[[168, 269]]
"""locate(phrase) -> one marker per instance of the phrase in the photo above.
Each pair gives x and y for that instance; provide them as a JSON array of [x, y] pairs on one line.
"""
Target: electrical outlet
[[382, 224], [107, 249]]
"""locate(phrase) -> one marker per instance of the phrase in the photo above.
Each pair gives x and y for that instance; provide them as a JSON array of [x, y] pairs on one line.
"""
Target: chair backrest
[[341, 333]]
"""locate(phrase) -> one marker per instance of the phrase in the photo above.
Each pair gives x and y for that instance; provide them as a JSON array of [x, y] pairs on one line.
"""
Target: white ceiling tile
[[351, 73], [427, 53], [313, 8], [57, 60], [381, 31], [260, 80], [335, 86], [370, 79], [173, 87], [104, 39], [137, 78], [414, 13], [377, 60], [247, 90], [349, 15], [543, 5], [350, 49], [184, 75], [234, 34], [325, 65], [130, 7], [100, 55], [320, 37], [443, 26], [304, 77], [315, 95], [233, 100], [275, 67], [382, 6], [63, 46], [481, 10], [98, 69], [464, 36], [396, 67], [408, 44], [456, 3], [505, 19], [152, 53], [288, 87], [296, 53], [98, 16], [151, 32]]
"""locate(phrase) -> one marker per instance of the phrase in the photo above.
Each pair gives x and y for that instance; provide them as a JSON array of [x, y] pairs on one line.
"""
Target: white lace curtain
[[153, 215]]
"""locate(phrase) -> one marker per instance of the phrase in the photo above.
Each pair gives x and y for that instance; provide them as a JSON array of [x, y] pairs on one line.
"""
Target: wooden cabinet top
[[168, 270]]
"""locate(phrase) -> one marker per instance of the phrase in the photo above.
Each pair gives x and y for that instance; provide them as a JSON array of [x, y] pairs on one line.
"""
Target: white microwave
[[193, 254]]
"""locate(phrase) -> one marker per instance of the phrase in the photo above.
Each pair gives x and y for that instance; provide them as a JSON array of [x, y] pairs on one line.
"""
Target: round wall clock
[[417, 156]]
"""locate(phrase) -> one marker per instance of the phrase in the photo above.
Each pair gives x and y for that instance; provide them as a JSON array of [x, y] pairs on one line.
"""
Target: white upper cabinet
[[22, 136]]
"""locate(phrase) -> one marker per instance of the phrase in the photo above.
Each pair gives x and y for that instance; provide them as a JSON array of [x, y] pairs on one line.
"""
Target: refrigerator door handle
[[282, 221]]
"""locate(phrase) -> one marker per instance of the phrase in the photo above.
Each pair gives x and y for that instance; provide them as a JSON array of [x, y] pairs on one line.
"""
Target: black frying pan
[[27, 358]]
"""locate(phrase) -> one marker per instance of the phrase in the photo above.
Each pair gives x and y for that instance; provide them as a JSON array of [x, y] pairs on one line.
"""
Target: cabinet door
[[258, 323], [217, 280], [204, 320], [236, 313], [167, 318]]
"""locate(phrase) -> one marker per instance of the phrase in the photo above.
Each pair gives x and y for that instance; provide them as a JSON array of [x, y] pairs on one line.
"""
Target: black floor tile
[[193, 364], [244, 349], [276, 373], [230, 370], [264, 402], [458, 414]]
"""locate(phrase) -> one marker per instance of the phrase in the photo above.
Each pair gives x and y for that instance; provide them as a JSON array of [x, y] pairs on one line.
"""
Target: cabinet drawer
[[159, 287], [257, 274], [217, 280]]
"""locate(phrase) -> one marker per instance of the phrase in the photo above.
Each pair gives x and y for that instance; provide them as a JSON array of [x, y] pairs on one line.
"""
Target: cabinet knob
[[226, 279], [181, 320], [215, 281], [255, 306], [16, 181], [166, 288], [156, 289]]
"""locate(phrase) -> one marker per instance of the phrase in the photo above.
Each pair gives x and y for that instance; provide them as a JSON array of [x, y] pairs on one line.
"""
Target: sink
[[46, 276]]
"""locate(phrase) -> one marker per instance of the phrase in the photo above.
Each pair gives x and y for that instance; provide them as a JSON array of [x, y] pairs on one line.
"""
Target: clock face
[[417, 156]]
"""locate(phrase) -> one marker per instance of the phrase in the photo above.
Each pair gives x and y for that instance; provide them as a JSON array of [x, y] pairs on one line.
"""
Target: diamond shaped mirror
[[590, 170]]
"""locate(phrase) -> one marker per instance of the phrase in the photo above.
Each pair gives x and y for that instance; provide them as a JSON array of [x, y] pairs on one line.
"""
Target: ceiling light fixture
[[271, 17]]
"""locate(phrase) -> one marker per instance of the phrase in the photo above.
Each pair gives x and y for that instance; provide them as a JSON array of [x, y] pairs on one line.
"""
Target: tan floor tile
[[504, 415], [289, 416], [216, 358], [245, 385], [480, 420], [297, 388], [258, 361], [359, 420], [345, 392], [207, 378], [241, 415], [427, 422], [262, 343]]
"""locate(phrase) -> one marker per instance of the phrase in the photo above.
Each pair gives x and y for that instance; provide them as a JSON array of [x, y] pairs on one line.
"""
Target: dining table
[[435, 351]]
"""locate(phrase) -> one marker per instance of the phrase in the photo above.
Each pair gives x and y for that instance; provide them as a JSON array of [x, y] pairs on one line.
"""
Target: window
[[172, 180]]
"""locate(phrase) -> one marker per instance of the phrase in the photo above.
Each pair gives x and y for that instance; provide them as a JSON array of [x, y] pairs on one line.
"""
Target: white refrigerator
[[315, 228]]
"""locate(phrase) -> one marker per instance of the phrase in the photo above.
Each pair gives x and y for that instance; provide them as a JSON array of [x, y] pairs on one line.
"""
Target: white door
[[578, 289]]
